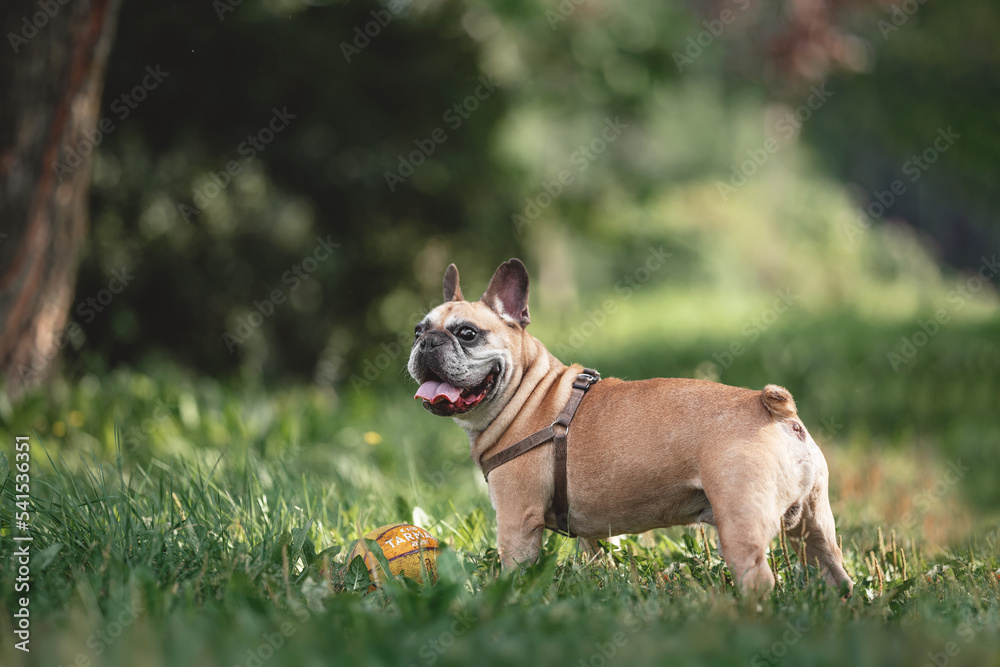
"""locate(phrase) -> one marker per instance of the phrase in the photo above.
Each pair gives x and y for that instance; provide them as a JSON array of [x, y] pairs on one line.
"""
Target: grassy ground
[[180, 521]]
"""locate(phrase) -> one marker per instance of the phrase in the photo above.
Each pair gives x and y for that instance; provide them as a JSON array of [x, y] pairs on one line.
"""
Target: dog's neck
[[535, 379]]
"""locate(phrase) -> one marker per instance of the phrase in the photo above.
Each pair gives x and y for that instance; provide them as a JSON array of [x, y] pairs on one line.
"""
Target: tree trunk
[[52, 63]]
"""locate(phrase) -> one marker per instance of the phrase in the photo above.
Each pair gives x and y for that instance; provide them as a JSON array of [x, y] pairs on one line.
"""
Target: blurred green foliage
[[362, 103]]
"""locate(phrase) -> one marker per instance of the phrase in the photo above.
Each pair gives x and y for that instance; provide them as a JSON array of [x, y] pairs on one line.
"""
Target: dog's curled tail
[[778, 401]]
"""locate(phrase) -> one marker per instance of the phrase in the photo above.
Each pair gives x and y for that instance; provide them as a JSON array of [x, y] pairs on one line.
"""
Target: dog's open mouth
[[443, 398]]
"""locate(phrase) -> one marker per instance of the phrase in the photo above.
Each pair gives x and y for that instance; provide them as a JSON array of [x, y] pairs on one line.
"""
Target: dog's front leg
[[519, 533]]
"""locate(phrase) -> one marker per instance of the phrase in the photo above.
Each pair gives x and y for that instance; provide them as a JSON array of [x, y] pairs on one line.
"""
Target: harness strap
[[556, 432]]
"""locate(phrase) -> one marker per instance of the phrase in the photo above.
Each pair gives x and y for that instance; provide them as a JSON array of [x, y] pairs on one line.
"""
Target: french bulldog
[[640, 455]]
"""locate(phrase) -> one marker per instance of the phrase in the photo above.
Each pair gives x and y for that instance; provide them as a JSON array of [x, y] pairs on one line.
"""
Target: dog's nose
[[433, 339]]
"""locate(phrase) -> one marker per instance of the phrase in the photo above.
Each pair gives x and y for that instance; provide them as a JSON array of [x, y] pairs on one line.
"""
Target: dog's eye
[[467, 334], [417, 330]]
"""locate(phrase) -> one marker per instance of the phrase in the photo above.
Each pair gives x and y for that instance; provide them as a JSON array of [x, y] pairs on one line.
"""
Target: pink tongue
[[433, 391]]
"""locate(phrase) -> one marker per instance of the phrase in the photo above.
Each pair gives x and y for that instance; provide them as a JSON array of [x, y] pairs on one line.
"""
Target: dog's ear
[[507, 294], [452, 292]]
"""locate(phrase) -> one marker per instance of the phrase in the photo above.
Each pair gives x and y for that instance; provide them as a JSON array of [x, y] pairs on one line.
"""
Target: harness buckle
[[562, 420], [586, 378]]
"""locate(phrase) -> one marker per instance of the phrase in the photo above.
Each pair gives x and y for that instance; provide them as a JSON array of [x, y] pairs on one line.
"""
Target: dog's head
[[464, 353]]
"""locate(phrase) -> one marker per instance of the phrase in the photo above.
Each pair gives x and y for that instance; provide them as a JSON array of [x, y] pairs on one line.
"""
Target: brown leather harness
[[560, 500]]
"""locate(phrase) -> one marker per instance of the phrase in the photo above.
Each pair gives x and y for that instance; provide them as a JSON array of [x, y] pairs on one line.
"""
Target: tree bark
[[52, 63]]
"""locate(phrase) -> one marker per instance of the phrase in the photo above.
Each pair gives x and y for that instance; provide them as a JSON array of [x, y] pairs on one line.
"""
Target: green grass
[[199, 521], [219, 556]]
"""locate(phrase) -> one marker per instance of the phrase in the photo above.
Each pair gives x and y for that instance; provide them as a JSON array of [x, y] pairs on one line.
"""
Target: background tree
[[51, 73]]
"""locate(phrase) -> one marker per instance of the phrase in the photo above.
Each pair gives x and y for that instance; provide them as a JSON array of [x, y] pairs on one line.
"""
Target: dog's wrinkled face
[[463, 353], [458, 358]]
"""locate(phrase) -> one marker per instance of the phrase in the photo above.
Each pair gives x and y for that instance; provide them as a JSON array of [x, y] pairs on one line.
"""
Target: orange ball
[[410, 550]]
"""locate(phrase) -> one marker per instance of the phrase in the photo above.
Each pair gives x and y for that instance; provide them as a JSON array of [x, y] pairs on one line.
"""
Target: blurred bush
[[209, 248]]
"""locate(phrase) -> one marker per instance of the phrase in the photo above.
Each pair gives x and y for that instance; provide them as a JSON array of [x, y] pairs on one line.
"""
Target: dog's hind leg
[[746, 556], [745, 531], [817, 529]]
